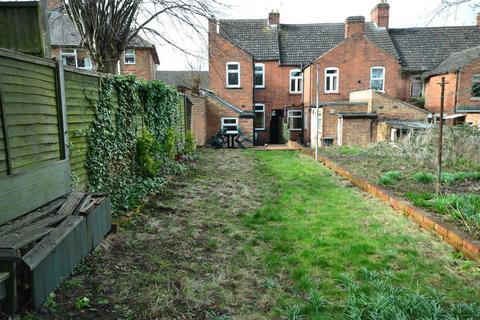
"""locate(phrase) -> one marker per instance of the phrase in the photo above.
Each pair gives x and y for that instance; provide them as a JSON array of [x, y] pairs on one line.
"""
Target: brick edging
[[456, 238]]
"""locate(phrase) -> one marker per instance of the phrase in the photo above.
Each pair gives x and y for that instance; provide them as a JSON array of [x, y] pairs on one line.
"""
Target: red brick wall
[[276, 95], [144, 66], [390, 108], [357, 132], [199, 119], [221, 51], [433, 93], [354, 58], [465, 84], [330, 118]]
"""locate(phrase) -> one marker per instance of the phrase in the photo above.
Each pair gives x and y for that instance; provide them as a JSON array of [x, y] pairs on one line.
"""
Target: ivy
[[129, 139]]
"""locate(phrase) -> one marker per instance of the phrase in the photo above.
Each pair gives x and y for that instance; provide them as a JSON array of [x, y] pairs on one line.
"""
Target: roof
[[404, 124], [468, 109], [423, 49], [64, 33], [183, 78], [369, 115], [294, 44], [242, 113], [455, 61]]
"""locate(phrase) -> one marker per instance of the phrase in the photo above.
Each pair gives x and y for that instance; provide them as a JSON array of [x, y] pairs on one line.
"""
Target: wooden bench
[[42, 246]]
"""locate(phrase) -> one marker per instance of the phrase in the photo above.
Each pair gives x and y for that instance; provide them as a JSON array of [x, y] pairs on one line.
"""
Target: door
[[276, 125], [316, 127]]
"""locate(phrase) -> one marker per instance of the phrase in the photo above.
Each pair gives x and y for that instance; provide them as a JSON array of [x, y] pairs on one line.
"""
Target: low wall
[[457, 239]]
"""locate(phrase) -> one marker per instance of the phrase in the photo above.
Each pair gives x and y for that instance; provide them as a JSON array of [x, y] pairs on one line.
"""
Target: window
[[470, 123], [259, 121], [233, 75], [259, 75], [294, 118], [331, 80], [417, 87], [295, 81], [476, 86], [129, 56], [377, 78], [76, 58], [230, 125]]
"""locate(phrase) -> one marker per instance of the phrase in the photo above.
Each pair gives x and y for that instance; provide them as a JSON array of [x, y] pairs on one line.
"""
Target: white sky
[[403, 13]]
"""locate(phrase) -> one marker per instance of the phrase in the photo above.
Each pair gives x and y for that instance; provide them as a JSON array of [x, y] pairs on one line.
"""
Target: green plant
[[317, 301], [82, 303], [423, 177], [293, 313], [169, 145], [389, 178], [51, 304], [148, 155], [190, 144]]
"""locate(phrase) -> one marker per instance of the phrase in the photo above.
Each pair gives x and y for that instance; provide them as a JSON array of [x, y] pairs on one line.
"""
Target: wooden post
[[3, 119], [61, 109], [438, 187], [11, 302]]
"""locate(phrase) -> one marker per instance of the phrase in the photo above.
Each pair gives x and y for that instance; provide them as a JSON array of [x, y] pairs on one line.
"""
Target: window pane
[[233, 79], [259, 69], [377, 84], [476, 86], [69, 60], [258, 79], [232, 67], [229, 121], [83, 61], [377, 73], [331, 71], [259, 119], [334, 83]]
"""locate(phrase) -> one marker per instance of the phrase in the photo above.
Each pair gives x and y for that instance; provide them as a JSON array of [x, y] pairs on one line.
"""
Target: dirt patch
[[181, 257]]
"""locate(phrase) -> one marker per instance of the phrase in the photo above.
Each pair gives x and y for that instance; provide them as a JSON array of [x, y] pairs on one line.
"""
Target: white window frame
[[290, 114], [413, 80], [229, 124], [383, 78], [298, 81], [75, 55], [328, 77], [261, 65], [132, 54], [475, 79], [233, 71], [262, 111]]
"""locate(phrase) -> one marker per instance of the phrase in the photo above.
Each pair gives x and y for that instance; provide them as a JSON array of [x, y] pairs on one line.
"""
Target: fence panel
[[30, 113], [80, 114], [3, 155]]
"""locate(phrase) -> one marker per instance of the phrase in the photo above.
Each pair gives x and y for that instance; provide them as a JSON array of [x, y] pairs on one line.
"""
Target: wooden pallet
[[48, 243]]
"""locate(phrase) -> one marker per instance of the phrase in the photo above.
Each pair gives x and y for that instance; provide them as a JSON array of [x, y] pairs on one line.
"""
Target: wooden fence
[[45, 113]]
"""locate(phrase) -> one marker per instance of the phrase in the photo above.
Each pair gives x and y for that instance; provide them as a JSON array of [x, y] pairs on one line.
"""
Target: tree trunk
[[109, 66]]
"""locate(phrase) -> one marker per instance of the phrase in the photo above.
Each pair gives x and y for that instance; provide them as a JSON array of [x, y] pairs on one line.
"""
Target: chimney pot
[[355, 27], [381, 15], [274, 18], [478, 19]]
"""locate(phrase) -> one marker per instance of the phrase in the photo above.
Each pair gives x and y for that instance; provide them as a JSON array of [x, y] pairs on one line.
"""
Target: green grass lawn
[[312, 229]]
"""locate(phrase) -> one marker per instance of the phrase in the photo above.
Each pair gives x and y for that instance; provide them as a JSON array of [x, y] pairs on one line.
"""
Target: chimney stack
[[381, 15], [274, 18], [478, 19], [355, 27]]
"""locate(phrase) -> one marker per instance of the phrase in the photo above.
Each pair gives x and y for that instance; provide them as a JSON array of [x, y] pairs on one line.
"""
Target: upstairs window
[[331, 80], [259, 75], [129, 56], [259, 121], [76, 58], [294, 118], [230, 125], [476, 86], [233, 75], [417, 87], [377, 78], [296, 81]]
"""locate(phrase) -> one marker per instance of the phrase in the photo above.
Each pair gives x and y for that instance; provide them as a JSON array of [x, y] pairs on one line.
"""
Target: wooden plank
[[13, 98], [72, 203], [3, 120], [24, 58], [32, 130], [21, 164], [15, 70], [29, 119], [62, 110], [20, 194], [49, 243], [18, 240], [10, 305], [31, 217]]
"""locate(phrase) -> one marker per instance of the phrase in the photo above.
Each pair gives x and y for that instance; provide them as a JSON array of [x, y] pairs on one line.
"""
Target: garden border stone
[[456, 238]]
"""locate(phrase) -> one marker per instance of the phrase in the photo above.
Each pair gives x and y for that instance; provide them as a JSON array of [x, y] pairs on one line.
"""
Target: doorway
[[276, 126]]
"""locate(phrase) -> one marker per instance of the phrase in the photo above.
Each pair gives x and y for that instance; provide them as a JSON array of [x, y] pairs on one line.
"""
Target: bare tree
[[107, 26], [449, 7], [195, 73]]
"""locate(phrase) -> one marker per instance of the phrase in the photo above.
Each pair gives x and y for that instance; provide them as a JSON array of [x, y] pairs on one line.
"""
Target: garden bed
[[408, 170]]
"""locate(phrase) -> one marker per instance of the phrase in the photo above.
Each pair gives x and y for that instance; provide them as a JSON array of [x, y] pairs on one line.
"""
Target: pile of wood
[[26, 242]]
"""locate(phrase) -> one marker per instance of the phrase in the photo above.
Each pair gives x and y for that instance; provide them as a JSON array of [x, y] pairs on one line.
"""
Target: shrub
[[190, 144], [389, 178], [374, 296], [423, 177], [169, 145], [148, 155]]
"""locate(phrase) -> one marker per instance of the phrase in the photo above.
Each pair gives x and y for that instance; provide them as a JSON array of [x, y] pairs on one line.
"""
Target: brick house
[[462, 90], [140, 58], [271, 68]]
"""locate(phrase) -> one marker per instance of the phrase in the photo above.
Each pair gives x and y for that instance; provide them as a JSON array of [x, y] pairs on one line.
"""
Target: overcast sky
[[403, 13]]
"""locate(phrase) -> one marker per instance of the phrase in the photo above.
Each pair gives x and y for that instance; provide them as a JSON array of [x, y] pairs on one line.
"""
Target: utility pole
[[438, 187]]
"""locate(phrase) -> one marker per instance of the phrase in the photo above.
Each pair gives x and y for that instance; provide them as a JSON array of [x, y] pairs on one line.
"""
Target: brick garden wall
[[357, 131], [199, 119], [391, 108], [433, 94]]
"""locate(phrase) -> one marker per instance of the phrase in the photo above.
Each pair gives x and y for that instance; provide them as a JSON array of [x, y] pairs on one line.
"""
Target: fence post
[[61, 109], [3, 119]]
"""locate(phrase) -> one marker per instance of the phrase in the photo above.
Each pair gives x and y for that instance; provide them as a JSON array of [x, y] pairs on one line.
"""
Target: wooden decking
[[275, 147]]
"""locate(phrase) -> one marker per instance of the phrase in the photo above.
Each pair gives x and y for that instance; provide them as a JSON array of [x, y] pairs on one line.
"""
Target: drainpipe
[[302, 137], [317, 106], [457, 87], [253, 104]]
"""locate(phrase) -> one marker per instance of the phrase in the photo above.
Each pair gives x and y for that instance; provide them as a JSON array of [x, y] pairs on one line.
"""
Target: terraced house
[[275, 69]]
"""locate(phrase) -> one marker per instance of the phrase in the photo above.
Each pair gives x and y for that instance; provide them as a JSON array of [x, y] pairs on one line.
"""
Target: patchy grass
[[258, 235]]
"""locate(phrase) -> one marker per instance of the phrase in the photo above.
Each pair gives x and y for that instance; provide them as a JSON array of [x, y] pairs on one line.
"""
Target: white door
[[316, 127]]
